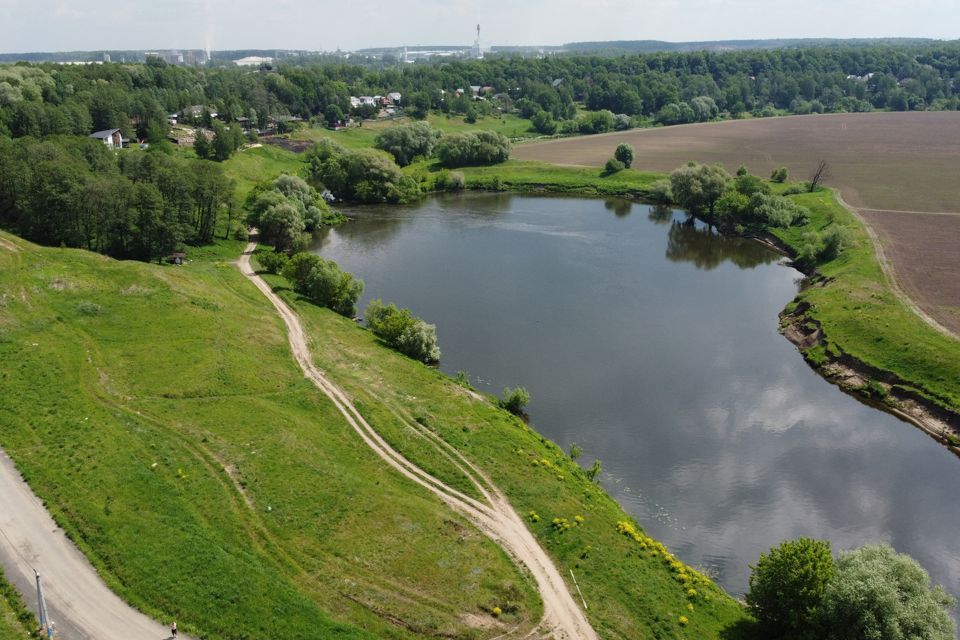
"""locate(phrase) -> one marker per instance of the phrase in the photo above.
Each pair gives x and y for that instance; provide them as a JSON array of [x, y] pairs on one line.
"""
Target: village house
[[110, 137]]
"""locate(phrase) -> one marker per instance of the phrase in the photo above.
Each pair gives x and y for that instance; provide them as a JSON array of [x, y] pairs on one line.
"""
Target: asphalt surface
[[78, 601]]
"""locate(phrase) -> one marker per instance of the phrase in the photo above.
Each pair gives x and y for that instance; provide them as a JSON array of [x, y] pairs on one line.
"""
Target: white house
[[110, 137]]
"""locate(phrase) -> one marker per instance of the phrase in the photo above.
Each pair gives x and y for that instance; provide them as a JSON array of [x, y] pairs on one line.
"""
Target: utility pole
[[42, 608]]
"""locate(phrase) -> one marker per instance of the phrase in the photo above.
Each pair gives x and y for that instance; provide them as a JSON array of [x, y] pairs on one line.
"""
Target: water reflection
[[688, 241], [712, 430], [621, 207], [660, 214]]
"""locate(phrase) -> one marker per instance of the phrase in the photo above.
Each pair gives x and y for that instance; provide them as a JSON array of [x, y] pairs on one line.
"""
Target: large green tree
[[878, 594], [787, 585], [698, 187]]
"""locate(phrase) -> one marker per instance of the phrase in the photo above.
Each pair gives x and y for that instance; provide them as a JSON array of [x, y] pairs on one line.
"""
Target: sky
[[85, 25]]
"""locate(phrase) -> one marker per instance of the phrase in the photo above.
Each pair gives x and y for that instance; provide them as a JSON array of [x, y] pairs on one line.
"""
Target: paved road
[[78, 601]]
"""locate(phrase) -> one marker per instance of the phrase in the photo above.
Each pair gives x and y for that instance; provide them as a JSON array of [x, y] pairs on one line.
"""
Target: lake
[[653, 344]]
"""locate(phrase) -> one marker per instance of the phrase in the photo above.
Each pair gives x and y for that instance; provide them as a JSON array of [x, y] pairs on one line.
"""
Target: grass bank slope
[[158, 412], [633, 587]]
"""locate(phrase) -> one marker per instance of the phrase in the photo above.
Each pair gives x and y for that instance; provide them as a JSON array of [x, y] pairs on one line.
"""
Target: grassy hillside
[[159, 413]]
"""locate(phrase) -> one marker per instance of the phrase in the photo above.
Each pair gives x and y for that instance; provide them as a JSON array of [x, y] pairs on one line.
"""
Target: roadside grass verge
[[633, 588], [159, 414], [16, 621]]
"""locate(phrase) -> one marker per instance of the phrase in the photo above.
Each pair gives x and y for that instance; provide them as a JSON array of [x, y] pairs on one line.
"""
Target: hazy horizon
[[76, 25]]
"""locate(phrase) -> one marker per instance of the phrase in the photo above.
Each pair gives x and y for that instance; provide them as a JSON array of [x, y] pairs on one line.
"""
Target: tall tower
[[477, 54]]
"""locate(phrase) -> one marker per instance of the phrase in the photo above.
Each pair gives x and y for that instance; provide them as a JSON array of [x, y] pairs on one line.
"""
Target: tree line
[[75, 192], [47, 99]]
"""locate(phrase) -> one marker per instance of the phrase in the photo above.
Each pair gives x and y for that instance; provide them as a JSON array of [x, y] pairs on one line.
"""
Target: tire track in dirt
[[562, 617]]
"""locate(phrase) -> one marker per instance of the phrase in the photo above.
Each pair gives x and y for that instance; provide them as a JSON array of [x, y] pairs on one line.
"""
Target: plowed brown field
[[905, 162]]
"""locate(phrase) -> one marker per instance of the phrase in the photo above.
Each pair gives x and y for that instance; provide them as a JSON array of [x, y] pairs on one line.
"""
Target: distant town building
[[110, 137], [253, 61]]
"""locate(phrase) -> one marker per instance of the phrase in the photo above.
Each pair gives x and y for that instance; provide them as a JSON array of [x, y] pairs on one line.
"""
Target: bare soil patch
[[904, 161], [297, 146], [923, 249]]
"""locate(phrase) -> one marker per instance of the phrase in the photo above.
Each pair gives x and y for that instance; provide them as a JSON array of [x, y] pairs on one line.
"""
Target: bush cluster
[[361, 175], [515, 400], [474, 148], [285, 209], [403, 331], [408, 142], [799, 591], [324, 283]]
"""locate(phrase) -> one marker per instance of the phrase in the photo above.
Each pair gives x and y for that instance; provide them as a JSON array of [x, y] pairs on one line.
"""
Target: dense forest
[[47, 99]]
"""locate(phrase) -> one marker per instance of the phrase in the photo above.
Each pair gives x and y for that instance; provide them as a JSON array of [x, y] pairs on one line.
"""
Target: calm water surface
[[654, 346]]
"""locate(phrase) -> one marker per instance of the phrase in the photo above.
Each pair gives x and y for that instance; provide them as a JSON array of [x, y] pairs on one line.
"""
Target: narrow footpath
[[563, 618]]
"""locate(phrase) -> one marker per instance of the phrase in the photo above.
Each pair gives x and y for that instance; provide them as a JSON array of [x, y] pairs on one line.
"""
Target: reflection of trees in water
[[620, 206], [369, 227], [660, 214], [688, 242]]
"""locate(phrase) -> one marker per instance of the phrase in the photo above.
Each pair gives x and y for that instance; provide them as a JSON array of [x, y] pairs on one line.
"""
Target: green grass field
[[250, 166], [158, 412]]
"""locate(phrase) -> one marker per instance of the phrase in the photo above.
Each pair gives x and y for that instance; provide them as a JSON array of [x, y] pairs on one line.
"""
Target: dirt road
[[79, 602], [563, 618]]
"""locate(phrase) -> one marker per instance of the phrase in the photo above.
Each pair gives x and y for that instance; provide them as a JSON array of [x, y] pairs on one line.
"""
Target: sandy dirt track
[[79, 602], [563, 619]]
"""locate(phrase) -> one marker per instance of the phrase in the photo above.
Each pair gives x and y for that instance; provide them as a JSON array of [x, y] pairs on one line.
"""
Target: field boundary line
[[888, 269]]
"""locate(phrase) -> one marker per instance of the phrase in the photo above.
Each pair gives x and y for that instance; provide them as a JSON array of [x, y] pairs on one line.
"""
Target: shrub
[[779, 175], [408, 141], [273, 262], [661, 192], [475, 148], [624, 153], [742, 170], [403, 331], [515, 400], [787, 585], [87, 308], [816, 248], [613, 166], [450, 181], [796, 188], [749, 185], [594, 471], [544, 123], [324, 283]]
